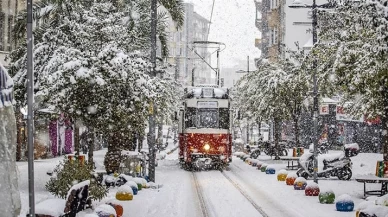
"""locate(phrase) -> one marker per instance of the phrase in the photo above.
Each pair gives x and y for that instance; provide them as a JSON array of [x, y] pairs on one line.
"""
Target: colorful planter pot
[[312, 190], [300, 183], [259, 164], [290, 179], [269, 170], [263, 168], [124, 196], [327, 197], [344, 206], [119, 209], [282, 177]]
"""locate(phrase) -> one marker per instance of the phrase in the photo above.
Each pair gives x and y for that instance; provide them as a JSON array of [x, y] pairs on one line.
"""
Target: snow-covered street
[[242, 190]]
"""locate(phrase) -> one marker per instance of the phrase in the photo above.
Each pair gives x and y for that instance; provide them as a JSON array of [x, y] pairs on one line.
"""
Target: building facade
[[269, 21], [182, 48], [8, 12], [283, 28]]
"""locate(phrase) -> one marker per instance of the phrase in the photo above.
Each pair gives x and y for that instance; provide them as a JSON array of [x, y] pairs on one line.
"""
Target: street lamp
[[314, 6]]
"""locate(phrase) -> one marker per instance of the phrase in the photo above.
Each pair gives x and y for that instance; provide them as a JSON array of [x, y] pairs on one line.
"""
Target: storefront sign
[[342, 116], [324, 110]]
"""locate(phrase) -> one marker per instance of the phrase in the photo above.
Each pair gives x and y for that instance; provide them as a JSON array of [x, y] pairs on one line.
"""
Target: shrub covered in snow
[[70, 173]]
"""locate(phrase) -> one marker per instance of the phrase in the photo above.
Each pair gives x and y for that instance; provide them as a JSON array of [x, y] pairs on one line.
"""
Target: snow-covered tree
[[356, 36], [95, 68], [260, 93]]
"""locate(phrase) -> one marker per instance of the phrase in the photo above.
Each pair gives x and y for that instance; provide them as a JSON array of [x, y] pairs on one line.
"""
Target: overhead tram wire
[[210, 21]]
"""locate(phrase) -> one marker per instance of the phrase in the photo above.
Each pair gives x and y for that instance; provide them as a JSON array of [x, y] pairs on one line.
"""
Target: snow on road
[[178, 196], [270, 193], [222, 198]]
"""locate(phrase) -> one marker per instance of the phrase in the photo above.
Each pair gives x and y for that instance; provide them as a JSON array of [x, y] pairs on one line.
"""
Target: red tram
[[205, 124]]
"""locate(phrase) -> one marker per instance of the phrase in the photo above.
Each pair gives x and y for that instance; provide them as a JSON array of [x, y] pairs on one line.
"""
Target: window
[[10, 21], [190, 116], [2, 18], [224, 118], [207, 118]]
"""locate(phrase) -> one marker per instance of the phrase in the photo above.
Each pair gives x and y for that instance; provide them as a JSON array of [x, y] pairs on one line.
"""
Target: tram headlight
[[206, 147]]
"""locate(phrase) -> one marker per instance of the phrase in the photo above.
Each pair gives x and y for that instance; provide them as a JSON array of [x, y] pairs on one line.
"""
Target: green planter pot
[[327, 197], [263, 168]]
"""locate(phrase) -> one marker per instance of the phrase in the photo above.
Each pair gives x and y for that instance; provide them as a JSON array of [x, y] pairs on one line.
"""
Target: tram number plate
[[207, 105]]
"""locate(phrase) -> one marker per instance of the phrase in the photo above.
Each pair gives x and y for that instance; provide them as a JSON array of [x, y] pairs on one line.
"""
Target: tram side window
[[224, 118], [190, 115]]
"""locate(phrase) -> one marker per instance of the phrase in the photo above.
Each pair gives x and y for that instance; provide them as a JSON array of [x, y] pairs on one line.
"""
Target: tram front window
[[207, 118]]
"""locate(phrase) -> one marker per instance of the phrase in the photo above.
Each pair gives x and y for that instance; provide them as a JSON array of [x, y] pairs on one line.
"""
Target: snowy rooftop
[[207, 92]]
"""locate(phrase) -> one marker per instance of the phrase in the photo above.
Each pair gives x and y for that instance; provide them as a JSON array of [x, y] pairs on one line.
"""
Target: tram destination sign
[[207, 104]]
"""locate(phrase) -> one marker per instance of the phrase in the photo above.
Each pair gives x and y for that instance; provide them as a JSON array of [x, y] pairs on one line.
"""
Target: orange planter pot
[[119, 209], [290, 180]]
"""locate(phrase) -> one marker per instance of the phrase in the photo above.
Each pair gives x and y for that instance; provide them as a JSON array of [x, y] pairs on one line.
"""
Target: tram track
[[202, 203], [206, 212], [257, 207]]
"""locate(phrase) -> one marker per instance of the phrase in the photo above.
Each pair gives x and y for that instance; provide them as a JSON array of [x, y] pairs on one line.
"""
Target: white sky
[[233, 23]]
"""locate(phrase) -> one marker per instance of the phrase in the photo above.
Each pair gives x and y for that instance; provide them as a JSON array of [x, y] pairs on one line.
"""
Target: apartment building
[[283, 27], [269, 21], [8, 12], [182, 49]]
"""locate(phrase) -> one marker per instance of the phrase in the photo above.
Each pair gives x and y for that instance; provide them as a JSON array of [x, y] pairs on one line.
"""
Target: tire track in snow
[[200, 196], [257, 207], [271, 205]]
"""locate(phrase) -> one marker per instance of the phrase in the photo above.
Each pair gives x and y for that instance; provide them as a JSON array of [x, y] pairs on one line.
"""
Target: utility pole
[[30, 112], [151, 121], [315, 93], [314, 8]]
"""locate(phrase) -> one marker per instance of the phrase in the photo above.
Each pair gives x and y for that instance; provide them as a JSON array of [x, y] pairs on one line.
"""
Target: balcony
[[259, 24], [258, 43]]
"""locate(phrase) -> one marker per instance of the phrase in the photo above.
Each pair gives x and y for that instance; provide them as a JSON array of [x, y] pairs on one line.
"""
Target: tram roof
[[211, 91]]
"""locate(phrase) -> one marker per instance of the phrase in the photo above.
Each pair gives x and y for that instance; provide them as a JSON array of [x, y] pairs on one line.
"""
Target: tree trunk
[[296, 130], [160, 133], [113, 156], [19, 124], [384, 124], [91, 140], [277, 137], [76, 138]]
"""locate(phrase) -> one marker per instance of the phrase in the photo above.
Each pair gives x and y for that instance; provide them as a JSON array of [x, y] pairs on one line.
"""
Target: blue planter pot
[[344, 206], [134, 189], [254, 164], [270, 171]]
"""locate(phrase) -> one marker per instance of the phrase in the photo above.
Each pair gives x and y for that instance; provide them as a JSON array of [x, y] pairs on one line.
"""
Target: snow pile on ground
[[131, 184], [375, 210], [283, 171], [51, 207], [352, 146], [345, 198], [292, 175], [106, 210], [125, 189], [312, 185], [78, 186]]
